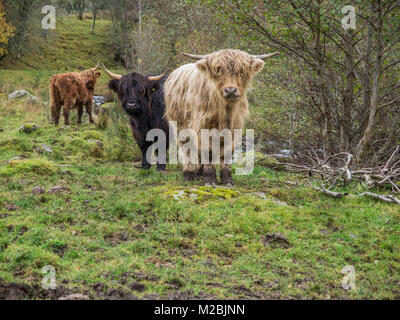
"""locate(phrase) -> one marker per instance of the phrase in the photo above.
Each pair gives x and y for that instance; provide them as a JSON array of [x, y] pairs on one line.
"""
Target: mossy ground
[[116, 224]]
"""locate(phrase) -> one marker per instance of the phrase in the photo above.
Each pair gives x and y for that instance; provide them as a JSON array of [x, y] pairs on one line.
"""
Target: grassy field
[[114, 230], [74, 199]]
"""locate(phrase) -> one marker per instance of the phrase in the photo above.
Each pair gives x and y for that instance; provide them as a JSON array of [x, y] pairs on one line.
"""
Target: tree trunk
[[94, 20], [81, 9], [364, 143], [139, 49], [345, 118]]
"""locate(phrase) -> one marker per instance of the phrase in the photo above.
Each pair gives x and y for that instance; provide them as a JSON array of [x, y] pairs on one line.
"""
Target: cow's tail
[[55, 103]]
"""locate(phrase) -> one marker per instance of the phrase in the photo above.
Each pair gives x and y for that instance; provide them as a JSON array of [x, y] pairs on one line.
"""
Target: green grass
[[71, 46], [117, 224]]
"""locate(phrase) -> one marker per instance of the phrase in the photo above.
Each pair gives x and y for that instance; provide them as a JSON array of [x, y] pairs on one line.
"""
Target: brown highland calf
[[73, 90], [211, 94]]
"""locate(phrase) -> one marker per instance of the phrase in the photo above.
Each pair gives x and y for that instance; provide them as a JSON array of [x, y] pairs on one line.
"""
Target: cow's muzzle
[[231, 93], [132, 108]]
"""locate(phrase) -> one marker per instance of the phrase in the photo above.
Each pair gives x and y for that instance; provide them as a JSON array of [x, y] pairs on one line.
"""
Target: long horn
[[193, 56], [157, 78], [111, 75], [95, 68], [265, 56]]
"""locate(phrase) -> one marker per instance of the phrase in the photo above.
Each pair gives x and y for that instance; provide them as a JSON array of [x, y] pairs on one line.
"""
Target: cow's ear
[[202, 64], [258, 65], [113, 85], [97, 74]]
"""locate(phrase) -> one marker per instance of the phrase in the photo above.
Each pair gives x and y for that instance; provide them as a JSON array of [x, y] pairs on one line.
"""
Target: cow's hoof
[[210, 176], [226, 177], [189, 175], [161, 169]]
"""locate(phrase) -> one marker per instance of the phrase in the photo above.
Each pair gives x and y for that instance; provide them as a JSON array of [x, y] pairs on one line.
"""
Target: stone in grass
[[99, 143], [38, 190], [21, 94], [11, 207], [28, 128], [15, 159], [43, 149], [58, 189], [75, 296]]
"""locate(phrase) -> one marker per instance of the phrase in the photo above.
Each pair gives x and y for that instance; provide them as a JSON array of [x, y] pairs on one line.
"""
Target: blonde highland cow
[[211, 94]]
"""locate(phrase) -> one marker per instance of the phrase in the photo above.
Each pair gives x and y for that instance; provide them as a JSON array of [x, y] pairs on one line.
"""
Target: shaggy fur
[[143, 101], [195, 97], [72, 90]]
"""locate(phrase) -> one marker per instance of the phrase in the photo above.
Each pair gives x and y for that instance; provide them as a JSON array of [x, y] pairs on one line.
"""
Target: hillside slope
[[71, 46]]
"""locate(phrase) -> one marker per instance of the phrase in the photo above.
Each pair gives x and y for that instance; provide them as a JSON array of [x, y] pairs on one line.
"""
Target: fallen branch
[[389, 198], [336, 195]]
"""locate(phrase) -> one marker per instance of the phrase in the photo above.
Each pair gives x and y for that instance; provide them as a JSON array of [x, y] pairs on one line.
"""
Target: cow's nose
[[231, 90], [131, 105]]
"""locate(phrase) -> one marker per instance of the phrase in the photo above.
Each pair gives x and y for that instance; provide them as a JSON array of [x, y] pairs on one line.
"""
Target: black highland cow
[[142, 98]]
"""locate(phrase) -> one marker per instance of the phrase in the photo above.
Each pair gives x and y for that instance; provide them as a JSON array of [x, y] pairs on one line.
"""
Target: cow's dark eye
[[218, 70]]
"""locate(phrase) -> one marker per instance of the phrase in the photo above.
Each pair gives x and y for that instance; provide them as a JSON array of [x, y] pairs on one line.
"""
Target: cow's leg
[[200, 172], [226, 160], [226, 175], [55, 113], [80, 113], [66, 110], [161, 166], [143, 148], [89, 110], [189, 171], [210, 175]]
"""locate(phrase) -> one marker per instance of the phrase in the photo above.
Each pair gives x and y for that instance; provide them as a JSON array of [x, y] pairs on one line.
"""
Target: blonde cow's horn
[[111, 75], [193, 56], [265, 56]]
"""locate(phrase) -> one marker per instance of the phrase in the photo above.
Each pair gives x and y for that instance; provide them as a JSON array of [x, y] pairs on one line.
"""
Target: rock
[[28, 128], [21, 94], [99, 100], [261, 195], [58, 189], [66, 173], [15, 159], [238, 245], [38, 190], [1, 129], [281, 203], [75, 296], [99, 143], [65, 166], [11, 207], [44, 148]]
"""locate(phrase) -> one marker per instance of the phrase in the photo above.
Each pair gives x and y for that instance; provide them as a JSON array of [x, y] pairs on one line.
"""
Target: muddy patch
[[276, 240], [189, 295]]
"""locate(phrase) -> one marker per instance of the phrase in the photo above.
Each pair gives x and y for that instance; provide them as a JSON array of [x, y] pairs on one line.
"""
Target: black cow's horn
[[265, 56], [194, 56], [111, 75], [157, 78]]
